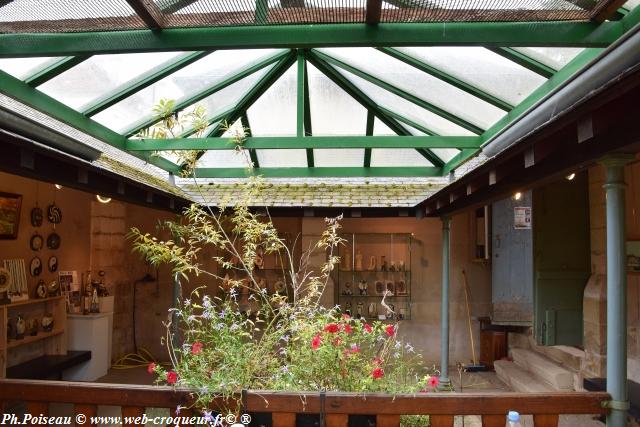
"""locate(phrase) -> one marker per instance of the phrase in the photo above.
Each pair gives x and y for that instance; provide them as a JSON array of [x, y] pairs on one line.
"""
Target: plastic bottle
[[513, 419]]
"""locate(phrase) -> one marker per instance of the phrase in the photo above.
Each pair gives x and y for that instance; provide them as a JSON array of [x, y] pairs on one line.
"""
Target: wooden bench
[[48, 366]]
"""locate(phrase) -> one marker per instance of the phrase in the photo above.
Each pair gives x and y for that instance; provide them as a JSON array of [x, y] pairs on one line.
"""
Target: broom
[[475, 367]]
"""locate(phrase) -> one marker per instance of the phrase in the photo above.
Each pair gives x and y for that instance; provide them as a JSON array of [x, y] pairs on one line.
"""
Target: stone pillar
[[444, 308], [616, 291]]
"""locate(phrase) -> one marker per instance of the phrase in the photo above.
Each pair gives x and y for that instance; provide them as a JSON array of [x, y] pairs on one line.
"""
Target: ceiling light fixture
[[103, 199], [58, 186], [571, 176], [517, 196]]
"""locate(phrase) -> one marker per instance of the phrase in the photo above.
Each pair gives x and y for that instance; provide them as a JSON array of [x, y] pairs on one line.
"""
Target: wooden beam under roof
[[374, 10], [148, 12], [605, 9]]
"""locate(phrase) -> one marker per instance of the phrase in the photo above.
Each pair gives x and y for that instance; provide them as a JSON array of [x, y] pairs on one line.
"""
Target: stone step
[[567, 356], [519, 379], [558, 377]]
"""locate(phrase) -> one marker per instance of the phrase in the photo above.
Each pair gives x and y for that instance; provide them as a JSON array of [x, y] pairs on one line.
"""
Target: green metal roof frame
[[300, 41]]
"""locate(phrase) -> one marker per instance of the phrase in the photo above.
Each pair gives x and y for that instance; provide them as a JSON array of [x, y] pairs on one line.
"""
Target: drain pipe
[[620, 56]]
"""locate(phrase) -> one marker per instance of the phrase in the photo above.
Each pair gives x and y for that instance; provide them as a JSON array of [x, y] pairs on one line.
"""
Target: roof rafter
[[373, 11], [524, 61], [150, 14], [308, 142], [605, 9], [142, 81], [25, 94], [495, 34], [302, 98], [366, 102], [318, 172], [445, 77], [401, 93], [369, 132], [192, 99], [49, 72]]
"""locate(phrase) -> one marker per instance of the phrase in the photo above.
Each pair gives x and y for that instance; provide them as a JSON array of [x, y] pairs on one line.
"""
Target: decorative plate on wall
[[35, 268], [5, 280], [54, 214], [41, 289], [36, 217], [36, 242], [53, 264], [53, 241]]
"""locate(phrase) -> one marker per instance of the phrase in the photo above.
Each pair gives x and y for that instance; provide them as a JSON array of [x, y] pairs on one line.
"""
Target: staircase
[[540, 369]]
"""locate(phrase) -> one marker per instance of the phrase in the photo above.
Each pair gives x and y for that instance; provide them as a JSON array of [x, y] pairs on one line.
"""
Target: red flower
[[390, 330], [433, 381], [332, 328], [377, 361], [377, 373], [172, 377], [347, 329], [315, 343], [367, 327], [151, 367], [196, 347]]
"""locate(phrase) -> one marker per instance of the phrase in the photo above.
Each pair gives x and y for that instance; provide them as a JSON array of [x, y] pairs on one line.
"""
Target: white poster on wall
[[522, 217]]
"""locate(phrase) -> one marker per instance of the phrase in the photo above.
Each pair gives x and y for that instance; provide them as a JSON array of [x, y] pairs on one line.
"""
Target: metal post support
[[444, 309], [616, 291]]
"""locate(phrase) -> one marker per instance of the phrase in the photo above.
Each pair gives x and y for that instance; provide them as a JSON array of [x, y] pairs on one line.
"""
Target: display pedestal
[[90, 332]]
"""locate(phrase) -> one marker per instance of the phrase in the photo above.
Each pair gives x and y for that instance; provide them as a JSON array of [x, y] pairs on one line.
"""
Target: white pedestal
[[90, 332]]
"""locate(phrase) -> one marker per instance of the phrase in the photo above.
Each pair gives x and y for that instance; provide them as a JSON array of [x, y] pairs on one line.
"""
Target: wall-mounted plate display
[[54, 214], [35, 267], [36, 217], [5, 280], [53, 241], [53, 264], [36, 242], [41, 289]]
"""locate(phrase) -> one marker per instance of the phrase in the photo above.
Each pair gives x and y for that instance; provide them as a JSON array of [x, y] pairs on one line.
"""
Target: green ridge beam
[[318, 172], [369, 132], [190, 100], [366, 102], [525, 61], [401, 93], [309, 142], [25, 94], [49, 72], [496, 34], [445, 77], [244, 120], [144, 80], [256, 92]]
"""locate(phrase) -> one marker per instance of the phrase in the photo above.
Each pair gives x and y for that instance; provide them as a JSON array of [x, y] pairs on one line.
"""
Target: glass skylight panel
[[132, 110], [101, 74], [412, 130], [333, 111], [285, 158], [481, 68], [274, 113], [420, 84], [234, 131], [405, 108], [346, 157], [397, 157], [182, 84], [554, 57], [445, 154], [22, 68], [224, 159], [631, 4], [379, 128]]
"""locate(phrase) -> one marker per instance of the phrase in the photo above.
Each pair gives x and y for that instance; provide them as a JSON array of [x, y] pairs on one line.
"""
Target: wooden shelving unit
[[15, 351]]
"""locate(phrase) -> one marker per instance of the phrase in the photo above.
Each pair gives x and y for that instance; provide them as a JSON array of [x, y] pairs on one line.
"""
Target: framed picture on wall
[[9, 215]]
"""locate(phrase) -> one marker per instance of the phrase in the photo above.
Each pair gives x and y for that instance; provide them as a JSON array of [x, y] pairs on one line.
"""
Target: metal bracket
[[620, 405]]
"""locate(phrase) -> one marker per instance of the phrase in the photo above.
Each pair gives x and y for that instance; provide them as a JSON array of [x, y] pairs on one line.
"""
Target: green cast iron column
[[444, 309], [616, 291]]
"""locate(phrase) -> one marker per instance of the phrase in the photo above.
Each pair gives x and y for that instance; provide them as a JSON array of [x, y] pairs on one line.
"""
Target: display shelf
[[28, 339], [32, 301]]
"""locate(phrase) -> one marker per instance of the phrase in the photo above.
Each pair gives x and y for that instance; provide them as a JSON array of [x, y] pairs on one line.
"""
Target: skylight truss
[[378, 61]]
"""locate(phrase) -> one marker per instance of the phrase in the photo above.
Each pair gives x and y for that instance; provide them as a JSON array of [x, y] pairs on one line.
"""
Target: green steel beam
[[401, 93], [369, 132], [256, 92], [25, 94], [549, 33], [309, 142], [525, 61], [190, 100], [141, 82], [318, 172], [49, 72], [308, 130], [445, 77], [262, 12], [407, 121], [244, 120], [366, 102], [301, 101]]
